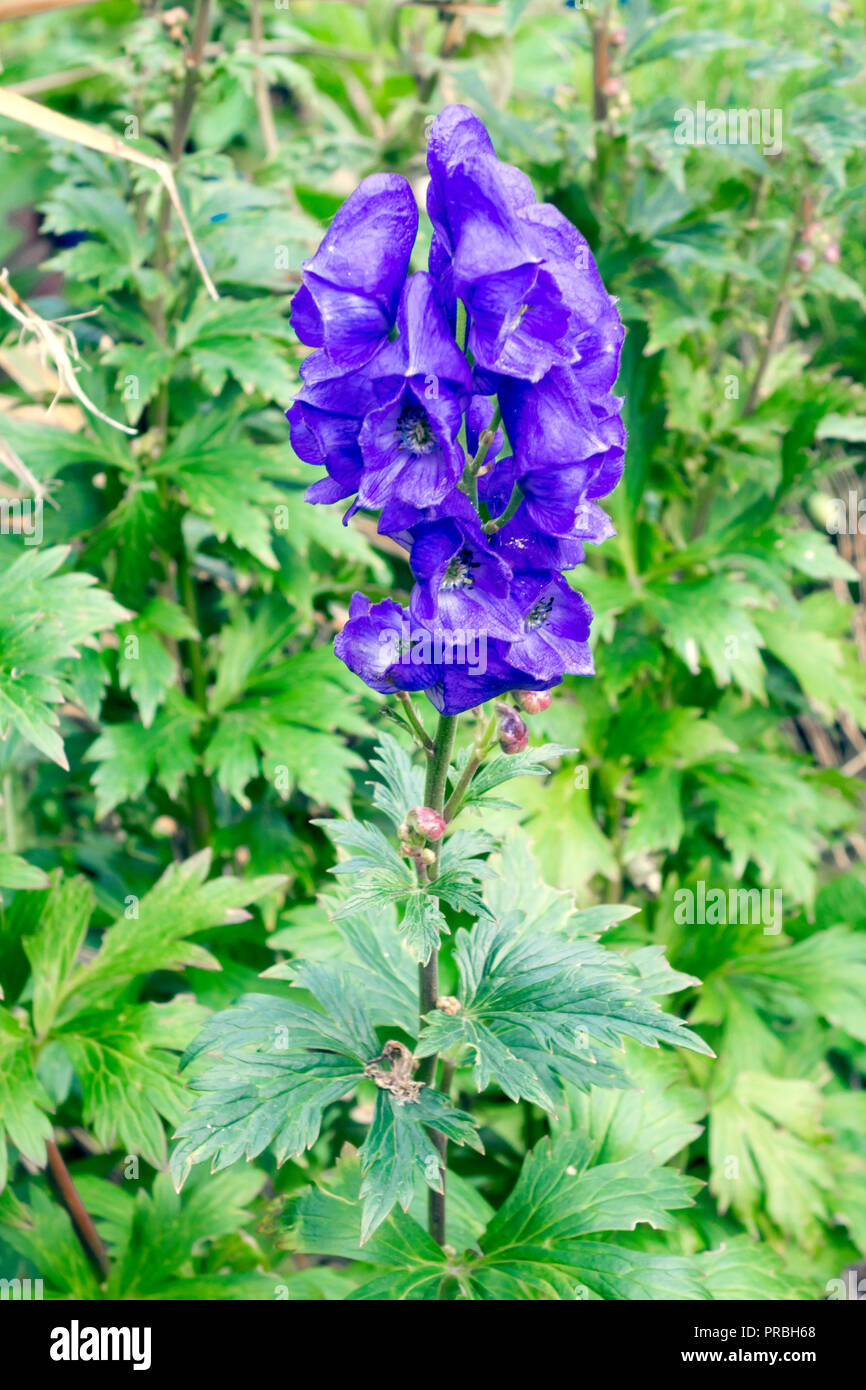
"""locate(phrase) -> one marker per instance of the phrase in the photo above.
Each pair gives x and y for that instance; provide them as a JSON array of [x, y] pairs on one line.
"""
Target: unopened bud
[[405, 849], [534, 701], [612, 87], [513, 735], [448, 1004], [832, 253], [426, 822], [617, 36], [804, 260], [428, 856]]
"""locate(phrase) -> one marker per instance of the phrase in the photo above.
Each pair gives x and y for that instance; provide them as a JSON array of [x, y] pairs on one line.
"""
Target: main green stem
[[428, 975]]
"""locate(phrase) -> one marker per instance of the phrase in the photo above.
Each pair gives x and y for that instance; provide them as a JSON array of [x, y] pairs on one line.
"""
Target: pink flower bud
[[804, 260], [618, 36], [513, 734], [427, 822], [534, 701], [612, 87], [832, 253]]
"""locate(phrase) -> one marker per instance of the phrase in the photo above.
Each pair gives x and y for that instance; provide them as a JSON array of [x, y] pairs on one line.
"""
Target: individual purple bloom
[[351, 286], [569, 448], [378, 643], [462, 583], [325, 422], [555, 628], [410, 442], [531, 288]]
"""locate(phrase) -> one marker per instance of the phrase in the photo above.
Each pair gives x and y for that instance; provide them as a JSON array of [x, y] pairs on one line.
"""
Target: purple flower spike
[[352, 284], [394, 408]]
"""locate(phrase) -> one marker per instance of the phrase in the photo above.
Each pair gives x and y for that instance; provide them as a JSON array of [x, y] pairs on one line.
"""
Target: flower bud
[[426, 822], [534, 701], [612, 87], [832, 253], [804, 260], [448, 1004], [617, 36], [513, 734], [428, 856]]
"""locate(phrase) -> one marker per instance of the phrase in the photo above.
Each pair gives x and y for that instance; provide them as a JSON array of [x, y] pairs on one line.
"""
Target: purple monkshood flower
[[409, 443], [394, 408], [461, 582], [555, 628], [352, 285], [525, 274]]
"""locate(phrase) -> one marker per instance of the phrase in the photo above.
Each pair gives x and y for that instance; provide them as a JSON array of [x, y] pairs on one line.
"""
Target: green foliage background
[[174, 721]]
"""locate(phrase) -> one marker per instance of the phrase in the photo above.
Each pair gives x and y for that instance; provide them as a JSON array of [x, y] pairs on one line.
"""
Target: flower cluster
[[470, 405]]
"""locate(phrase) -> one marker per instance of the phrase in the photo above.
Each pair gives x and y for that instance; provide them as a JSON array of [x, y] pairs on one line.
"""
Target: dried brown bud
[[534, 701], [426, 822], [448, 1004]]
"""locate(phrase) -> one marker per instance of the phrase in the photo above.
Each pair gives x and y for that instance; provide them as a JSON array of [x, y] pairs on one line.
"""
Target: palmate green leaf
[[41, 1231], [23, 1100], [16, 872], [129, 756], [145, 666], [710, 619], [539, 1010], [381, 877], [276, 716], [743, 792], [326, 1220], [53, 948], [128, 1072], [531, 762], [400, 783], [373, 954], [659, 1116], [277, 1065], [154, 936], [766, 1153], [536, 1246], [246, 339], [825, 974], [398, 1149], [44, 617], [152, 1237]]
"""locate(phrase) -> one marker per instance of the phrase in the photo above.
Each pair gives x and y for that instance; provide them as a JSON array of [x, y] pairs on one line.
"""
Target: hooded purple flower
[[462, 583], [352, 284], [569, 447], [409, 442], [379, 645], [325, 422], [525, 274], [554, 629]]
